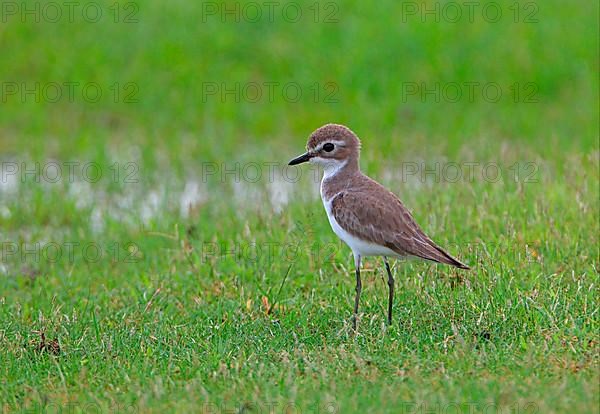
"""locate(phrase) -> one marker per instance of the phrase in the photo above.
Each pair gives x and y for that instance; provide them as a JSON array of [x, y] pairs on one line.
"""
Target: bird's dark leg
[[358, 290], [391, 285]]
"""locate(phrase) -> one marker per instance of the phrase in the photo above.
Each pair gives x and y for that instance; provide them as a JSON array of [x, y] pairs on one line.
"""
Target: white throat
[[330, 166], [330, 169]]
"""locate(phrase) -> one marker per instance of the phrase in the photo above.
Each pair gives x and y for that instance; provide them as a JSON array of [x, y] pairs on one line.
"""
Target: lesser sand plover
[[371, 220]]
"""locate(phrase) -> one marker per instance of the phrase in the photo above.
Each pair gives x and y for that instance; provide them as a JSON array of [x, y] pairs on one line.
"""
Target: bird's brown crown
[[333, 132], [334, 142]]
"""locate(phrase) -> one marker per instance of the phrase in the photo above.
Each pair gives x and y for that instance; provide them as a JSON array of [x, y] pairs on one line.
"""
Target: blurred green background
[[172, 330], [368, 52]]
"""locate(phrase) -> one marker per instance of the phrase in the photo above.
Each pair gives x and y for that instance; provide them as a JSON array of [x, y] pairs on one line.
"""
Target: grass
[[242, 302]]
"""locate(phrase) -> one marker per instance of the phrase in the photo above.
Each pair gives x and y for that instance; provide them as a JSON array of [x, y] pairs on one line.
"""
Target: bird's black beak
[[299, 160]]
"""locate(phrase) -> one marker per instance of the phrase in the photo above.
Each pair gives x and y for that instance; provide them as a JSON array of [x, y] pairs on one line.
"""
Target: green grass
[[173, 315]]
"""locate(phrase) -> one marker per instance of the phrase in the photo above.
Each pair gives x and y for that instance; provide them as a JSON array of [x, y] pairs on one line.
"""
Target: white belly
[[359, 247]]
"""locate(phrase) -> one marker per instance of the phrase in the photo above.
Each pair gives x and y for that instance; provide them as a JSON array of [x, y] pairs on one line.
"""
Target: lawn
[[158, 255]]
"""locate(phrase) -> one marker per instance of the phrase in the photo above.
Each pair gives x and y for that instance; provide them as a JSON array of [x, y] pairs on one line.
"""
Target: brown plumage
[[371, 220], [370, 212]]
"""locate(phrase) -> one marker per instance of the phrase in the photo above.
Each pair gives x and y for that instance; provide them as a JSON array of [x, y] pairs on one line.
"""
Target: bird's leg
[[358, 290], [391, 285]]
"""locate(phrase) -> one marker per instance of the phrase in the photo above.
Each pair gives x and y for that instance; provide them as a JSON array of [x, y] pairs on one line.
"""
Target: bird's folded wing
[[384, 220]]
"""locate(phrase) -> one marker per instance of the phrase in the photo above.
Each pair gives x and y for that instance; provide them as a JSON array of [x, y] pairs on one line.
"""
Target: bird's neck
[[338, 175], [340, 167]]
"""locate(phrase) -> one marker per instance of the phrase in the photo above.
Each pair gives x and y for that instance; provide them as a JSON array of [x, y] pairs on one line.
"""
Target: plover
[[370, 219]]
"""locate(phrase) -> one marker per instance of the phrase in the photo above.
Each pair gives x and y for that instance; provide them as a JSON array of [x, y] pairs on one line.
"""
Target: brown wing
[[384, 220]]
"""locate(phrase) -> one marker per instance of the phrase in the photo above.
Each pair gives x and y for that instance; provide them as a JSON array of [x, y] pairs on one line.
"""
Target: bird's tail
[[428, 250], [444, 257]]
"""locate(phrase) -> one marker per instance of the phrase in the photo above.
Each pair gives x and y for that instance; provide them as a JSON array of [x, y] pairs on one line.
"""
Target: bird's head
[[331, 146]]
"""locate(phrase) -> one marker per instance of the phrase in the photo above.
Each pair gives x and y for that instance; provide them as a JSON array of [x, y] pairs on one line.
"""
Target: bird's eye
[[328, 147]]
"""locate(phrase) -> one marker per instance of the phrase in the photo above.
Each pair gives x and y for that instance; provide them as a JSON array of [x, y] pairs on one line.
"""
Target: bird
[[364, 214]]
